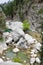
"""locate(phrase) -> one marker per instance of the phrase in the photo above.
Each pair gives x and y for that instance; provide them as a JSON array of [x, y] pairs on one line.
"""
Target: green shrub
[[1, 39], [26, 25], [40, 11], [17, 60], [33, 7]]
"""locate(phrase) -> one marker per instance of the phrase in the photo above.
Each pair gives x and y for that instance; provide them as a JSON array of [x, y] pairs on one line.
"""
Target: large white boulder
[[17, 33], [20, 31], [12, 25], [18, 24]]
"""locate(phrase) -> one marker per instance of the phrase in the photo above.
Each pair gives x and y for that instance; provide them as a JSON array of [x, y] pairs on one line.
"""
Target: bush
[[2, 21], [26, 25], [40, 11], [17, 60]]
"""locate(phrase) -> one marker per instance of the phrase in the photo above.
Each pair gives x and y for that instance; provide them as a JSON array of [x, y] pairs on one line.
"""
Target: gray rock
[[13, 25], [9, 63], [17, 29], [22, 43]]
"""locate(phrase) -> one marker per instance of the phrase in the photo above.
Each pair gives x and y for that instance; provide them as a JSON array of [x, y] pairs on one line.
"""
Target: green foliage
[[2, 21], [40, 11], [26, 25], [17, 60], [33, 7], [8, 9], [1, 39], [20, 57]]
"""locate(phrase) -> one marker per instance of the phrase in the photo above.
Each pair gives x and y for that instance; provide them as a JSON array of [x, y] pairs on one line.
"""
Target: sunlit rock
[[4, 46], [13, 25], [22, 43], [34, 51], [38, 60], [16, 50], [1, 49], [5, 34], [9, 63], [9, 40], [32, 60], [20, 31], [15, 36], [29, 39], [18, 24], [37, 46], [1, 60], [34, 55]]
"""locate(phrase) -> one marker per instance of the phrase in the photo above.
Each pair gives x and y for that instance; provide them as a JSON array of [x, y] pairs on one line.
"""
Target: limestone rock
[[29, 39], [1, 60], [9, 63], [38, 60], [15, 50], [22, 43]]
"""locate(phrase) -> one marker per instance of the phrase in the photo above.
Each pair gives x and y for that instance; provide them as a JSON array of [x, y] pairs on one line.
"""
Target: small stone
[[24, 61], [15, 50], [3, 57], [8, 58], [34, 55]]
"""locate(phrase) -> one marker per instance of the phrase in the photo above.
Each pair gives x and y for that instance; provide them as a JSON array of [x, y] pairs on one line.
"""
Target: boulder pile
[[18, 38]]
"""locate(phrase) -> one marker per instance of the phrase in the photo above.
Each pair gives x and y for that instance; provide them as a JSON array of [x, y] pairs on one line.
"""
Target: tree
[[8, 10], [2, 20]]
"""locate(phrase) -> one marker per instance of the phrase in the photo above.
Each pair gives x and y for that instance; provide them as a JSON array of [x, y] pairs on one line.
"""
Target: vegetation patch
[[1, 39], [40, 11], [26, 25]]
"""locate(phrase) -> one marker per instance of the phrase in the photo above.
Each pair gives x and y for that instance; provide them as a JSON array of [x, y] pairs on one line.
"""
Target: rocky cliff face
[[35, 17], [33, 12]]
